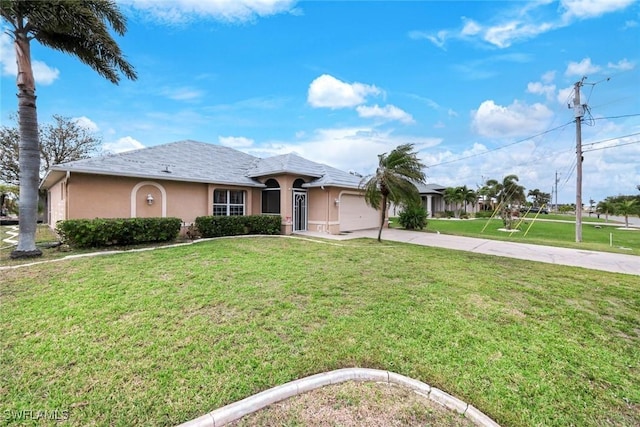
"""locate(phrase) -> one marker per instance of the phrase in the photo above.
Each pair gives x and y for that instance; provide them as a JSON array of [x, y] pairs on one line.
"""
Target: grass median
[[161, 337]]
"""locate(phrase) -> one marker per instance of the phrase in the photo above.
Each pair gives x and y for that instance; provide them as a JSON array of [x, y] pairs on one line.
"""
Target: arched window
[[271, 197], [298, 183]]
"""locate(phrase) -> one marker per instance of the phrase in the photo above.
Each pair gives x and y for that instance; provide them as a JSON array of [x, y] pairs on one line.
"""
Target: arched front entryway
[[148, 199], [299, 206]]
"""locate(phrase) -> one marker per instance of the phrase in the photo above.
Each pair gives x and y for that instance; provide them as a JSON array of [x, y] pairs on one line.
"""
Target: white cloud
[[43, 74], [327, 91], [182, 93], [388, 112], [235, 11], [235, 141], [86, 123], [517, 119], [622, 65], [565, 96], [354, 148], [121, 145], [471, 27], [582, 68], [522, 21], [591, 8], [539, 88]]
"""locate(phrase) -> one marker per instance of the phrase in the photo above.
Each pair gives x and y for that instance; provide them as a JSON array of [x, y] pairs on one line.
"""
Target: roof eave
[[166, 177]]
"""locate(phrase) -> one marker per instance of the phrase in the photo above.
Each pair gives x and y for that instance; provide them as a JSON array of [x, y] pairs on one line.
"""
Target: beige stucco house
[[187, 179]]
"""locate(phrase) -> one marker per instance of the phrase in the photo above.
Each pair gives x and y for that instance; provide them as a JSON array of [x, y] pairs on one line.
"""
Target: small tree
[[394, 180], [413, 216], [626, 208], [62, 141]]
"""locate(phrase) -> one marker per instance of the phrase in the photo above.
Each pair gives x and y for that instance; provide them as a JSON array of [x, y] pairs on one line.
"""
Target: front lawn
[[161, 337], [594, 237]]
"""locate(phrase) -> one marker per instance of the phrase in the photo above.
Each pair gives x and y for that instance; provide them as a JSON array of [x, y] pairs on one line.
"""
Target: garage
[[355, 214]]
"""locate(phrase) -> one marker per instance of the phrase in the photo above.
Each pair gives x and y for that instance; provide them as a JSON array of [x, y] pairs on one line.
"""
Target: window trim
[[227, 204]]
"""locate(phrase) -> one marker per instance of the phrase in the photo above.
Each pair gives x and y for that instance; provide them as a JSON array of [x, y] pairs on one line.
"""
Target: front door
[[299, 210]]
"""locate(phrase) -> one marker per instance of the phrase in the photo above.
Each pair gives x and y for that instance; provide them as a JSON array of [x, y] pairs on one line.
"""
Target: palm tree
[[79, 28], [394, 180], [509, 192], [606, 207], [469, 196], [451, 197], [626, 208]]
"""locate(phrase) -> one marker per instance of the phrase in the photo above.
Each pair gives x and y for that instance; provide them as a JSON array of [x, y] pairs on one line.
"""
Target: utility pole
[[578, 111]]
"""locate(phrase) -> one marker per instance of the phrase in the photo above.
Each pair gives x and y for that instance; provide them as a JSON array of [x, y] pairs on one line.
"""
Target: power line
[[612, 146], [501, 147]]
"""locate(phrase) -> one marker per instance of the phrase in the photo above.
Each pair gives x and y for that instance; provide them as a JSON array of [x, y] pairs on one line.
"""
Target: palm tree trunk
[[383, 214], [28, 154]]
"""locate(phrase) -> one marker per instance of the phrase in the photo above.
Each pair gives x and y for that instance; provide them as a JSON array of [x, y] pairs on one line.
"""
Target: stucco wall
[[95, 196]]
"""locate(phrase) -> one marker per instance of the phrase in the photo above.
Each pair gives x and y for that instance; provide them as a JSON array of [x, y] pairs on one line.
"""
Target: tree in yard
[[394, 180], [79, 28], [508, 192], [540, 198], [9, 143], [468, 196], [62, 141], [606, 207], [451, 197], [626, 208], [8, 197]]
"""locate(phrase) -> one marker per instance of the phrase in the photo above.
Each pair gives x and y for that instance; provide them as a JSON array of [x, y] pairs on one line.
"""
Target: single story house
[[187, 179], [432, 196]]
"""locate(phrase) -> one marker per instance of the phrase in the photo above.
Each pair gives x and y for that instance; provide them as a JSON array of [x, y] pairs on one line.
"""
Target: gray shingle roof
[[188, 160], [194, 161]]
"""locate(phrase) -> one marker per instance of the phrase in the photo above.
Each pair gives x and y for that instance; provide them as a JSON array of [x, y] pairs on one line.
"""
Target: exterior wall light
[[336, 201], [149, 199]]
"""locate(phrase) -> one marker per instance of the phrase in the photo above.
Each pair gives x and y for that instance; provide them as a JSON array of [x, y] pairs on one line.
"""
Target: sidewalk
[[604, 261]]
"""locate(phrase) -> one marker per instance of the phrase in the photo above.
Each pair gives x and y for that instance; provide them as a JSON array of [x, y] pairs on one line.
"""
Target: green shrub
[[484, 214], [85, 233], [218, 226], [413, 217]]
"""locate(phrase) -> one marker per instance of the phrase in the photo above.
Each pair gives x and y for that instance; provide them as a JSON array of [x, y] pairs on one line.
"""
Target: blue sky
[[480, 87]]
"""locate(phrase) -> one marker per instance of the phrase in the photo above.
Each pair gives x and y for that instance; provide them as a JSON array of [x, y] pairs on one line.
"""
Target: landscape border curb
[[235, 411]]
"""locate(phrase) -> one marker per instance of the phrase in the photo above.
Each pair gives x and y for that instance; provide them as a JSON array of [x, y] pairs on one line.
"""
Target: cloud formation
[[388, 112], [515, 120], [233, 11], [520, 23], [328, 92], [43, 74], [121, 145]]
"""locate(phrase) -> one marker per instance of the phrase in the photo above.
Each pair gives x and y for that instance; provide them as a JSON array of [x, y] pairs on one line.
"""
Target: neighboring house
[[432, 196], [187, 179]]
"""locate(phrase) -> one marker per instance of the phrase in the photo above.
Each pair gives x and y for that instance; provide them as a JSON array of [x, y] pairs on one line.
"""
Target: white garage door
[[355, 214]]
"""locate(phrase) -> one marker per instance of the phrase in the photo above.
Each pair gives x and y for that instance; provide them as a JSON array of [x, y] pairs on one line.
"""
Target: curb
[[239, 409]]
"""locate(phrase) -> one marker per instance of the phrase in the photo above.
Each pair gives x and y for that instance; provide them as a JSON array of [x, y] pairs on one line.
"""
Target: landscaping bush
[[98, 232], [218, 226], [484, 214], [413, 217]]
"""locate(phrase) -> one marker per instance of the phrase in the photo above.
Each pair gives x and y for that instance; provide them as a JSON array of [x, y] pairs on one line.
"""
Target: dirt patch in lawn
[[354, 404]]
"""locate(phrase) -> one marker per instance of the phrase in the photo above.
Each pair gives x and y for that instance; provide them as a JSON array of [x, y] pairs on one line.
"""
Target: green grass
[[161, 337], [544, 233]]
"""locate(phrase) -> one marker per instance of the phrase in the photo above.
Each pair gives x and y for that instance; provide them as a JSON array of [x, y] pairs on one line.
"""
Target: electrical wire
[[501, 147]]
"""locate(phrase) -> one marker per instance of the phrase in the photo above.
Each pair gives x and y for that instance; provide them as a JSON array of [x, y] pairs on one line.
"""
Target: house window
[[271, 197], [228, 202]]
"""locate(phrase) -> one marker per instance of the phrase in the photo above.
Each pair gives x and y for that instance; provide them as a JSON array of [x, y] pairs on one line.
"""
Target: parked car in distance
[[534, 210]]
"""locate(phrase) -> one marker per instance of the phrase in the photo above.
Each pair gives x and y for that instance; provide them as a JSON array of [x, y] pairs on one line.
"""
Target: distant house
[[187, 179], [432, 196]]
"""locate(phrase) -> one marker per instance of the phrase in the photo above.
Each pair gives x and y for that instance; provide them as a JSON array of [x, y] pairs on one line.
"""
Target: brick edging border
[[239, 409]]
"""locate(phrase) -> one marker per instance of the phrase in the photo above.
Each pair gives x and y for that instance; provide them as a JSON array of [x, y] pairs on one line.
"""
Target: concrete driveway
[[604, 261]]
